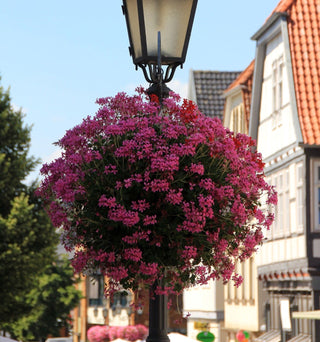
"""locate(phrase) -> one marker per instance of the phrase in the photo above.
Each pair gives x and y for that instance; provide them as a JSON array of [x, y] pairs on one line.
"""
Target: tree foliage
[[25, 249], [28, 240], [49, 303], [15, 164]]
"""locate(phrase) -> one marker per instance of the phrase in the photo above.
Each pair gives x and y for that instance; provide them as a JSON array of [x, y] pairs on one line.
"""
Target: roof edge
[[274, 17], [233, 90]]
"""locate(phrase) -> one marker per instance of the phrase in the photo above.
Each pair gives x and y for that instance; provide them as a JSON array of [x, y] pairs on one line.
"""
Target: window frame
[[238, 119], [300, 204], [316, 195], [277, 91]]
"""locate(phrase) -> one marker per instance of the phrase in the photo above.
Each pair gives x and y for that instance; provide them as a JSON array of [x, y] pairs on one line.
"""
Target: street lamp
[[159, 33]]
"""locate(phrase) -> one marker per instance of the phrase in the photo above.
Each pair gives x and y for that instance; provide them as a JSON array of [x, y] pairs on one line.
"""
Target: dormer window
[[237, 123], [277, 91]]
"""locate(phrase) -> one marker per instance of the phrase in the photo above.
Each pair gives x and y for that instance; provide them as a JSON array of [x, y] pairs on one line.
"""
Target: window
[[316, 190], [120, 300], [277, 91], [281, 225], [271, 209], [286, 203], [300, 201], [96, 289], [238, 124], [280, 209]]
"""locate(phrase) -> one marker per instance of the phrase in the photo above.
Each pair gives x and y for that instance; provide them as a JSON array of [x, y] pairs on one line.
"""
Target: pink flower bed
[[109, 333]]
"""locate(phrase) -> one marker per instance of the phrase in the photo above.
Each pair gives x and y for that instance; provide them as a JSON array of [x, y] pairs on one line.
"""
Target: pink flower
[[137, 190], [133, 254], [174, 197], [197, 168], [238, 279], [98, 333], [157, 185], [150, 269], [110, 169], [140, 205], [189, 252], [117, 273], [127, 217], [167, 163], [107, 202], [150, 220]]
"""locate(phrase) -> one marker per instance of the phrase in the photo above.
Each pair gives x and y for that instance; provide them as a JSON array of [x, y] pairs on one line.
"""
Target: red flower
[[154, 98], [188, 111]]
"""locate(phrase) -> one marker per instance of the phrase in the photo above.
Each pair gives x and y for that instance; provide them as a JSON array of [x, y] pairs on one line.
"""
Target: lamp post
[[159, 33]]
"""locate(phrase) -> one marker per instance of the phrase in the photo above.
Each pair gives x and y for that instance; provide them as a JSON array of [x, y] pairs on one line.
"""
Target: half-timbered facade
[[285, 120]]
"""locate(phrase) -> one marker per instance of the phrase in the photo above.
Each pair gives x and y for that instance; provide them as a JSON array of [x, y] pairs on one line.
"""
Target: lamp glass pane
[[171, 18], [134, 27]]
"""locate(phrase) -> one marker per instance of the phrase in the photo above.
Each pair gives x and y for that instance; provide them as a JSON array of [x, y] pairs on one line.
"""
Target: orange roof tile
[[244, 76], [304, 37], [245, 79]]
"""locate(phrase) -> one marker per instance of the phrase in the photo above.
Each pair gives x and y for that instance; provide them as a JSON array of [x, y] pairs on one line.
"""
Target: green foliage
[[28, 240], [15, 164], [17, 258], [28, 244], [50, 303]]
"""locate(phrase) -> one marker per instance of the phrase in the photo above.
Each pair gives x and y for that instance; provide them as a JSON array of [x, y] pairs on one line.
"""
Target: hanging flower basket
[[144, 193]]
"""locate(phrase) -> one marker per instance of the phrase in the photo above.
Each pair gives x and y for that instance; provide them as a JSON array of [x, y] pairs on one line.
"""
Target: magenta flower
[[143, 193]]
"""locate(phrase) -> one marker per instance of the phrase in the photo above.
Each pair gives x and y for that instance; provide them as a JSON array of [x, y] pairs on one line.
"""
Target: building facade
[[94, 309], [277, 101], [285, 121], [244, 301], [205, 304]]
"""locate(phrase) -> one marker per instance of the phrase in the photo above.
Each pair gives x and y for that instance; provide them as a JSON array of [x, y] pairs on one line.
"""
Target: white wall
[[270, 139], [282, 250], [207, 298], [242, 302]]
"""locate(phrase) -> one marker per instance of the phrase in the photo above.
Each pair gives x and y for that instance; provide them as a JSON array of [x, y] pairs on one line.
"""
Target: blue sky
[[58, 56]]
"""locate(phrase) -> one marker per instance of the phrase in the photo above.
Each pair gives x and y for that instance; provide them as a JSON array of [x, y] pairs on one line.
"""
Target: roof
[[245, 80], [243, 77], [304, 37], [283, 6], [209, 88]]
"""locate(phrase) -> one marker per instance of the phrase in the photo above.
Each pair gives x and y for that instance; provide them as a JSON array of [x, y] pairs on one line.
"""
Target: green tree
[[26, 247], [28, 240], [50, 303], [15, 164]]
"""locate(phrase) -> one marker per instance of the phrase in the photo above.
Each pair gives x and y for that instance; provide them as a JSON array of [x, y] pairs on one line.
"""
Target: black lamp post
[[159, 33]]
